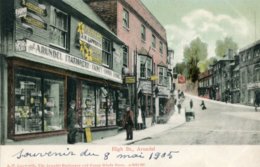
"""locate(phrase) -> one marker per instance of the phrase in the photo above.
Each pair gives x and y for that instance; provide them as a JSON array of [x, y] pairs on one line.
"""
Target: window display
[[102, 106], [88, 106], [39, 102]]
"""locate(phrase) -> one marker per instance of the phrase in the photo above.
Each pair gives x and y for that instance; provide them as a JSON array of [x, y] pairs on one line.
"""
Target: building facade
[[250, 73], [145, 51], [52, 53], [205, 84]]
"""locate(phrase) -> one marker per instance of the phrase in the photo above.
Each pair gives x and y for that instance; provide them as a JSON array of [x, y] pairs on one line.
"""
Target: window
[[153, 41], [39, 102], [161, 47], [163, 78], [145, 67], [59, 28], [142, 71], [106, 55], [143, 33], [125, 56], [125, 18]]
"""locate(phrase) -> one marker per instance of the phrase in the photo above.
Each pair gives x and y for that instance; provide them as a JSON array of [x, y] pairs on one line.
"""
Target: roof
[[85, 10], [236, 69], [249, 46]]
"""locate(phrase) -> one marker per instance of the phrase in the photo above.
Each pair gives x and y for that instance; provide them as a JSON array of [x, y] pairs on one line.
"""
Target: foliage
[[222, 46], [193, 54]]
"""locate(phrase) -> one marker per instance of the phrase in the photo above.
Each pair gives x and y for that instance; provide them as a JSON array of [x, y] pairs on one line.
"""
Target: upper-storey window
[[161, 47], [153, 41], [107, 53], [59, 28], [125, 18], [143, 32], [125, 56]]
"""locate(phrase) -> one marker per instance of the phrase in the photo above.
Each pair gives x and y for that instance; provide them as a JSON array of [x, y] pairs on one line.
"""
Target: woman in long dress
[[139, 118]]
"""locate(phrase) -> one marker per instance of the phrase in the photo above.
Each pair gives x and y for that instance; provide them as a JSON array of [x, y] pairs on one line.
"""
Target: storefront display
[[39, 102]]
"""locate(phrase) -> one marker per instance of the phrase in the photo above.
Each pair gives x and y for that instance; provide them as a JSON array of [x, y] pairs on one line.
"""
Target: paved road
[[219, 124]]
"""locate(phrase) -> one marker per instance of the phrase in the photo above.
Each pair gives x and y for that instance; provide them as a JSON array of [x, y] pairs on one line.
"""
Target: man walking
[[129, 123]]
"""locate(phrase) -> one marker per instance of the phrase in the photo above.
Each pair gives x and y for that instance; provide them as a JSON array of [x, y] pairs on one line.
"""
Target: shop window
[[111, 105], [107, 55], [145, 67], [39, 102], [143, 33], [88, 105], [125, 56], [59, 28], [125, 18], [101, 106]]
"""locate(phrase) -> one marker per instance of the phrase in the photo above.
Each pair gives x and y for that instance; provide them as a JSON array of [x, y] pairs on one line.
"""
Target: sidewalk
[[138, 135]]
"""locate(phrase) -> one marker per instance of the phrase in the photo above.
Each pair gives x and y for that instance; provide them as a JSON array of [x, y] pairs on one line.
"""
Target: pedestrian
[[72, 130], [257, 101], [191, 104], [129, 123], [179, 107], [139, 118], [203, 106]]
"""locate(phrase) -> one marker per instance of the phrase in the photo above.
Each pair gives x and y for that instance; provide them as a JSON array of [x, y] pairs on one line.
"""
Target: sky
[[210, 20]]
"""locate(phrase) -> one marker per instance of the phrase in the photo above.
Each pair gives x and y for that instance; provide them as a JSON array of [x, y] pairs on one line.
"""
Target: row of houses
[[102, 54], [235, 78]]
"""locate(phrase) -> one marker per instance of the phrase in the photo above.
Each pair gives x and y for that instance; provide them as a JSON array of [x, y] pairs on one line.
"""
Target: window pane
[[53, 104], [111, 101], [28, 104], [88, 105], [125, 55], [101, 106]]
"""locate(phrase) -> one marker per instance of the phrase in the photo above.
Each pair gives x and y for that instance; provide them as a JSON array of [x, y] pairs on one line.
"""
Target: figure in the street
[[257, 101], [139, 118], [191, 104], [72, 130], [179, 107], [203, 106], [129, 123]]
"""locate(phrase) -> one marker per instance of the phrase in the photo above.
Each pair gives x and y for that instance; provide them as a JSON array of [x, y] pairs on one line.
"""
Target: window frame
[[53, 17], [143, 33], [161, 47], [153, 41], [125, 18], [125, 55], [107, 51]]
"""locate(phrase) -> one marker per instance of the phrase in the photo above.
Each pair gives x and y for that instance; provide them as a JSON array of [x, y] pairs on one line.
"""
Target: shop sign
[[146, 86], [30, 19], [130, 80], [20, 12], [154, 77], [39, 9], [73, 61], [90, 42], [163, 91], [20, 45], [253, 85]]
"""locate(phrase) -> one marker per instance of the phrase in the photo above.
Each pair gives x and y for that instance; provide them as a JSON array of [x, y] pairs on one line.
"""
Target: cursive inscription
[[25, 154]]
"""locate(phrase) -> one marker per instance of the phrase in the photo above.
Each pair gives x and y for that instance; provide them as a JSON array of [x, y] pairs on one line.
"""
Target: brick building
[[145, 51]]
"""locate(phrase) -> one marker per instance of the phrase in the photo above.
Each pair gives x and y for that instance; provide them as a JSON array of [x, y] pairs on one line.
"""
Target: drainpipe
[[2, 108]]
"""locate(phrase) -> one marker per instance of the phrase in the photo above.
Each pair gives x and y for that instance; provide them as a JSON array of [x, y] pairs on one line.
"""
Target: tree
[[193, 54], [222, 46], [180, 67]]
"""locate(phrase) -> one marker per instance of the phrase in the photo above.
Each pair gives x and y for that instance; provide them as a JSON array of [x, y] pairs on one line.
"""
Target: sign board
[[146, 86], [20, 12], [154, 77], [253, 85], [88, 135], [181, 79], [66, 59], [130, 80]]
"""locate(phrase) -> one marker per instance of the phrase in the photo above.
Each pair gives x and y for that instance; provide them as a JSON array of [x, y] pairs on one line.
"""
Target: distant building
[[205, 86], [250, 73]]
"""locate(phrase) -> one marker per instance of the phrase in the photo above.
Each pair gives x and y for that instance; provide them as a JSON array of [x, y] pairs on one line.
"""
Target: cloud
[[210, 28]]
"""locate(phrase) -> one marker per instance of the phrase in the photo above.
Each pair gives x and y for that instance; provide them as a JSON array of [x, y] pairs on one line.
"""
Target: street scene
[[124, 72]]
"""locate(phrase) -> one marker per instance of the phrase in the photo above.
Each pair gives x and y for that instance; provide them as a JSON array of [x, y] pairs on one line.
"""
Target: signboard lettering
[[35, 8], [64, 58], [35, 22]]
